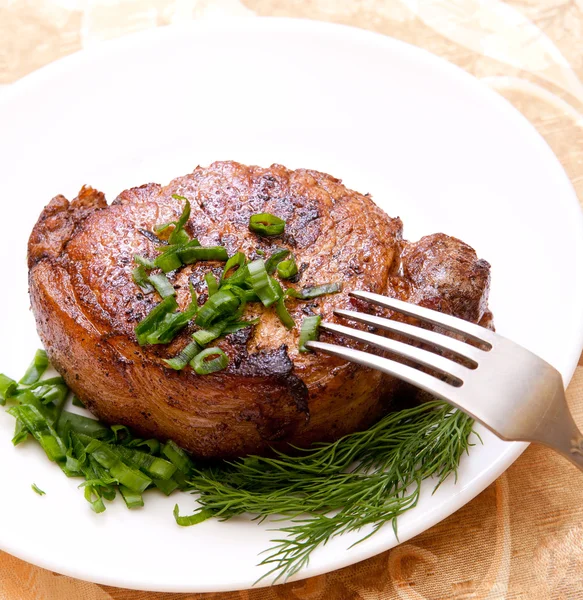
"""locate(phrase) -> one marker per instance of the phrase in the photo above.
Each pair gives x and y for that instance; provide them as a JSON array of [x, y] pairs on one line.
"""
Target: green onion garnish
[[211, 283], [203, 336], [272, 262], [314, 291], [266, 224], [37, 489], [261, 283], [192, 254], [144, 262], [131, 498], [286, 269], [169, 260], [283, 314], [236, 261], [177, 456], [222, 304], [162, 285], [80, 424], [107, 457], [197, 517], [36, 369], [153, 466], [140, 278], [77, 402], [42, 431], [154, 318], [218, 361], [8, 388], [237, 325], [309, 331], [183, 357]]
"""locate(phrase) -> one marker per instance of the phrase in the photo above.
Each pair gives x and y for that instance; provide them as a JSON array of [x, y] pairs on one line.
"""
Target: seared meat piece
[[86, 306]]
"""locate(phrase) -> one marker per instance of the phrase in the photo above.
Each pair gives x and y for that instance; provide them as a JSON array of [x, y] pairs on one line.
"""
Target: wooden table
[[522, 538]]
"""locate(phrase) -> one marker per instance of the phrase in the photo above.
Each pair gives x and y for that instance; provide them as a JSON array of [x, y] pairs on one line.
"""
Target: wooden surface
[[522, 538]]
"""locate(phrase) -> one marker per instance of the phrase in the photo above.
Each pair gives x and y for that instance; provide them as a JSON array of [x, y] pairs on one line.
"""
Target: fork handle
[[561, 433]]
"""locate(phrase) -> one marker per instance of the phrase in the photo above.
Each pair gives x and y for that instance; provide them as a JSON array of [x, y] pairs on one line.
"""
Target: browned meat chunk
[[87, 306]]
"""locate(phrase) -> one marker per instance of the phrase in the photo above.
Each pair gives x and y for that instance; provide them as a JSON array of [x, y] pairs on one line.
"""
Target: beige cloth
[[522, 538]]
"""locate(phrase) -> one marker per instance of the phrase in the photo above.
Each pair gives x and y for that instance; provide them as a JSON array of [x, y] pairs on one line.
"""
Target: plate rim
[[376, 544]]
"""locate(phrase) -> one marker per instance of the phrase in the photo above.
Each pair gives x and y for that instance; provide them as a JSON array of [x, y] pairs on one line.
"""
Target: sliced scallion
[[162, 285], [37, 489], [314, 291], [203, 336], [177, 456], [237, 325], [284, 315], [272, 262], [168, 261], [286, 269], [192, 254], [234, 264], [194, 519], [131, 498], [261, 282], [309, 331], [144, 262], [183, 357], [211, 283], [77, 402], [153, 466], [36, 368], [222, 304], [209, 361], [266, 224], [8, 388], [153, 319]]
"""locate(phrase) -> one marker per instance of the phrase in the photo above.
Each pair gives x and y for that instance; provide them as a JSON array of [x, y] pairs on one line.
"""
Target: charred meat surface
[[86, 305]]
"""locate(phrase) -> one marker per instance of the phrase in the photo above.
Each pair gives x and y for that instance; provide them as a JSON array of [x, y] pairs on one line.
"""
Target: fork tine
[[453, 324], [426, 382], [418, 355], [461, 349]]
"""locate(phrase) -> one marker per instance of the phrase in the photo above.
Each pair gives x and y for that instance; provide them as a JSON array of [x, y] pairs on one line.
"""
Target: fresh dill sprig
[[365, 478]]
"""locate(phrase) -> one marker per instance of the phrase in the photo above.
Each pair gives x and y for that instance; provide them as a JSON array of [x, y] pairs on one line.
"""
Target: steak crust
[[80, 258]]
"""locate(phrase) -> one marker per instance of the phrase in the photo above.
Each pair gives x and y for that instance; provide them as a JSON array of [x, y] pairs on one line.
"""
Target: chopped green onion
[[198, 517], [131, 498], [261, 282], [272, 262], [168, 260], [177, 456], [202, 366], [144, 262], [56, 394], [192, 254], [162, 285], [37, 489], [266, 224], [211, 283], [151, 465], [179, 197], [223, 303], [154, 318], [236, 261], [286, 269], [107, 457], [77, 402], [166, 486], [8, 388], [80, 424], [259, 252], [42, 431], [203, 336], [237, 325], [183, 357], [20, 433], [284, 315], [314, 291], [309, 331], [36, 369], [171, 325]]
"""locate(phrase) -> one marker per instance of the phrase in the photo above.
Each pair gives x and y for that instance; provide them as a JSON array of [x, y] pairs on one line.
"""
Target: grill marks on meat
[[86, 306]]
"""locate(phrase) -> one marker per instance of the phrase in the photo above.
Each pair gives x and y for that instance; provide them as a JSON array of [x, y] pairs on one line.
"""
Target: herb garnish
[[367, 478]]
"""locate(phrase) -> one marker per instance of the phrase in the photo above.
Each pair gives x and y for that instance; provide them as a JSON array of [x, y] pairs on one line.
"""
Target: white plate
[[427, 140]]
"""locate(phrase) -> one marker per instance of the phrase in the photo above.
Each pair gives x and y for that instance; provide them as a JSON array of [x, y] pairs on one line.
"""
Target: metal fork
[[510, 390]]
